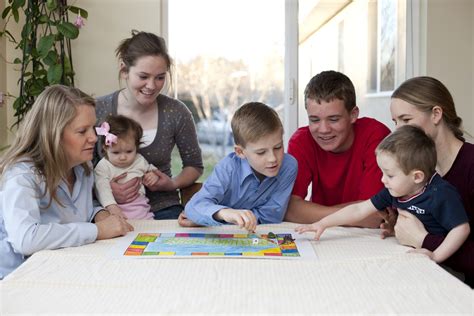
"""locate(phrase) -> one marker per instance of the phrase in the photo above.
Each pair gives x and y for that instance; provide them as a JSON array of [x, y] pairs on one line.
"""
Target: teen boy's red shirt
[[343, 177]]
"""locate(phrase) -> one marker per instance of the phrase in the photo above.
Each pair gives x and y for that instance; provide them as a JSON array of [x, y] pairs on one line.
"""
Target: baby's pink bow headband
[[103, 130]]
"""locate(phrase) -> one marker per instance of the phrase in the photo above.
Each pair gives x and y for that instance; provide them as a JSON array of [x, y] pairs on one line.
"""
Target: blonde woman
[[46, 181]]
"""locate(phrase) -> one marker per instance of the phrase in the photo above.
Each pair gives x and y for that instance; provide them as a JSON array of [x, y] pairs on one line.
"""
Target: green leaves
[[51, 59], [16, 16], [51, 5], [45, 46], [68, 30], [17, 4], [36, 87], [5, 12], [55, 73], [83, 13]]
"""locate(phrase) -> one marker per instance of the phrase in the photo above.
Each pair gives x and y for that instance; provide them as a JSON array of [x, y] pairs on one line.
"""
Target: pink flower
[[79, 22]]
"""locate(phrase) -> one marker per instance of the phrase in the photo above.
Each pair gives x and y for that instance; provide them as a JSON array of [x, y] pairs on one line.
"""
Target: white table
[[355, 272]]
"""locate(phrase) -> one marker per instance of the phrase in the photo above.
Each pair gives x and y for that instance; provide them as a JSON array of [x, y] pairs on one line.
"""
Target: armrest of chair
[[187, 192]]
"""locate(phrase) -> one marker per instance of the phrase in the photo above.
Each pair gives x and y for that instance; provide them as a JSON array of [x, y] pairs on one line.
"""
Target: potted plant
[[45, 44]]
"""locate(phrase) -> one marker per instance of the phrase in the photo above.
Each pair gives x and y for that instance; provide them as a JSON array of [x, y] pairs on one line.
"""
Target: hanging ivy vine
[[45, 44]]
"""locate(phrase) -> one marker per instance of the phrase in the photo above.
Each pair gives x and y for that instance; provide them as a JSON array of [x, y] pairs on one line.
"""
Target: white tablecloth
[[355, 271]]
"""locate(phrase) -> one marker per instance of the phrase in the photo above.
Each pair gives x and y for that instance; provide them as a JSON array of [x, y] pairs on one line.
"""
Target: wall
[[94, 59], [3, 86], [109, 22], [450, 52], [10, 75]]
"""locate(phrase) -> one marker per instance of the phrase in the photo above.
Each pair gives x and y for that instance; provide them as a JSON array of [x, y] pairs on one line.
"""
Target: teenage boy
[[407, 159], [335, 152], [252, 185]]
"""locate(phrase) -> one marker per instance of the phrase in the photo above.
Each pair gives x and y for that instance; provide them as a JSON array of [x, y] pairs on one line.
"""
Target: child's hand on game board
[[244, 218], [114, 209], [150, 179], [316, 227]]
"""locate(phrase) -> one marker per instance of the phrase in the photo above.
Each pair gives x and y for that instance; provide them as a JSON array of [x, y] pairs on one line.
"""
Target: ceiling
[[315, 13]]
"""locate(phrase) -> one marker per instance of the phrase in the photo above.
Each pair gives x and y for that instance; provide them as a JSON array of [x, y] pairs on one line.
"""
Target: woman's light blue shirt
[[26, 226], [233, 184]]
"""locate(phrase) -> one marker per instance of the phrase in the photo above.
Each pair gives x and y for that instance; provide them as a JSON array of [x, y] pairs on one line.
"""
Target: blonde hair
[[425, 93], [252, 121], [39, 137]]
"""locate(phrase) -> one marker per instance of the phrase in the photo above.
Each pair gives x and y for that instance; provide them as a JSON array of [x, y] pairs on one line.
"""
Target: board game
[[197, 244]]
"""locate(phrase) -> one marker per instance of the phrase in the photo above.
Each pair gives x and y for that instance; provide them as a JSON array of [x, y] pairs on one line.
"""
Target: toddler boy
[[407, 158]]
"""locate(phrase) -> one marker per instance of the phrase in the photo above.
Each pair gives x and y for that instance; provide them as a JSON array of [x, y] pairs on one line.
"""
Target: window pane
[[372, 46], [226, 53], [388, 37]]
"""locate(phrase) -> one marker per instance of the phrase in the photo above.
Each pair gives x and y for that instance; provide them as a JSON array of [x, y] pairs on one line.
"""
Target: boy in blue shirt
[[251, 185], [407, 158]]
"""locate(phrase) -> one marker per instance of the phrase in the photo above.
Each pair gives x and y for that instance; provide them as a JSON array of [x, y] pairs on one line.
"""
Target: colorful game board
[[213, 245]]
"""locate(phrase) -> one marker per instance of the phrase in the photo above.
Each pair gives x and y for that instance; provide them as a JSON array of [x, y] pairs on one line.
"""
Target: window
[[226, 53], [382, 45]]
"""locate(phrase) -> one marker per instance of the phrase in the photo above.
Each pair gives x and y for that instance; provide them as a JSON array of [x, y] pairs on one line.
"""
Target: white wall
[[11, 74], [109, 22], [3, 87], [450, 52]]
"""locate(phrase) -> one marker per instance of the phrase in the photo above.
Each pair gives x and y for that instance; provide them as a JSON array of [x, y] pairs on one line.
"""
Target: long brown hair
[[39, 138], [427, 92], [142, 44]]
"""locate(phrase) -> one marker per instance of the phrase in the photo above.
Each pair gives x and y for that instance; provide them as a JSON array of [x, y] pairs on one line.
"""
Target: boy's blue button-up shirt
[[233, 184]]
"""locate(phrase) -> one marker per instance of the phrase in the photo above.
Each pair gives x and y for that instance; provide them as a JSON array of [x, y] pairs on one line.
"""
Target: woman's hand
[[125, 192], [409, 230], [387, 227], [114, 209], [101, 215], [164, 183], [112, 226]]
